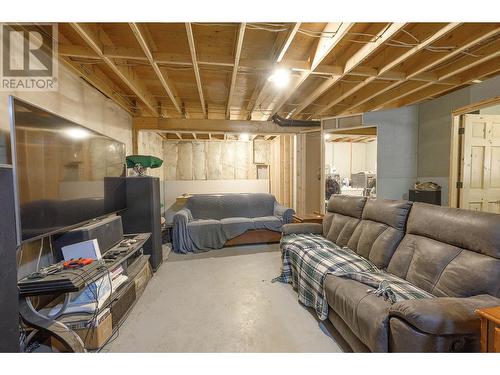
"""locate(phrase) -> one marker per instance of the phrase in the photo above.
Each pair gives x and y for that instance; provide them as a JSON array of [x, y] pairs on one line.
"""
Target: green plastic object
[[145, 161]]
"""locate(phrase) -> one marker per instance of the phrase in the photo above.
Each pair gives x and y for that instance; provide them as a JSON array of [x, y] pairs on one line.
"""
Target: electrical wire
[[39, 255]]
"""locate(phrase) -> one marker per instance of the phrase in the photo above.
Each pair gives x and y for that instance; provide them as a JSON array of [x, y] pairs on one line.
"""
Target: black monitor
[[65, 173]]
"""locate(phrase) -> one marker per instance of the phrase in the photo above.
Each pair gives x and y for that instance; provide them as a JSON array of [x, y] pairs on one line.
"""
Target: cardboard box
[[95, 337], [99, 331], [142, 279]]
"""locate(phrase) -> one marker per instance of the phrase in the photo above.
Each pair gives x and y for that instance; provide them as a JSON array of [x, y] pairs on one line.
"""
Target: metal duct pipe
[[280, 121]]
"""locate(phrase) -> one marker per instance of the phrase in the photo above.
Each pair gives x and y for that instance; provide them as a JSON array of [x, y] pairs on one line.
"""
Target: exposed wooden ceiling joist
[[391, 65], [471, 41], [279, 51], [128, 76], [466, 63], [100, 82], [169, 88], [237, 55], [148, 69], [192, 49], [366, 51], [325, 45]]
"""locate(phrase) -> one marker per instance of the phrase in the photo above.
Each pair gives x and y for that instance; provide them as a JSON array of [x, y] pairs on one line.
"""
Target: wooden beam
[[212, 126], [288, 41], [99, 81], [471, 41], [127, 75], [478, 72], [488, 53], [391, 65], [279, 50], [237, 54], [194, 58], [325, 45], [167, 86], [353, 62], [162, 58]]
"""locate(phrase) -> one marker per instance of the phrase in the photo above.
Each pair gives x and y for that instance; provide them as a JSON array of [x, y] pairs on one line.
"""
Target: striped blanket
[[308, 258]]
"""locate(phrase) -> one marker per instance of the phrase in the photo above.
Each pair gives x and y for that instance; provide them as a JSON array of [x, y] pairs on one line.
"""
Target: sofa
[[451, 254], [212, 221]]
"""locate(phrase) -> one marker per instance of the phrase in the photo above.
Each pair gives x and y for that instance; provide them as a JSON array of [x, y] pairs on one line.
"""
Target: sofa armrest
[[183, 216], [284, 213], [181, 243], [443, 315], [299, 228]]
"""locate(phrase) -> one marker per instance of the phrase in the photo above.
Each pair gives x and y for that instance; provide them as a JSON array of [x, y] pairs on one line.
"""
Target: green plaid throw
[[308, 258]]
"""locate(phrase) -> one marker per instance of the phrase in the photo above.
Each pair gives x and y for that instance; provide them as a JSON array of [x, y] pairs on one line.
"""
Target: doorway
[[476, 159], [350, 162]]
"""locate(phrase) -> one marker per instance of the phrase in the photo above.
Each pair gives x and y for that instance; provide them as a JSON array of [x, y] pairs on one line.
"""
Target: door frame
[[324, 132], [456, 147]]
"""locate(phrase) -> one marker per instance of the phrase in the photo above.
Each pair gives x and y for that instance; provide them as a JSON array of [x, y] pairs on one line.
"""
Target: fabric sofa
[[208, 221], [453, 254]]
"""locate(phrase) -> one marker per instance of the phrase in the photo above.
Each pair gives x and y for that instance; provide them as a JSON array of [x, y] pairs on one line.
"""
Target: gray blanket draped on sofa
[[209, 220]]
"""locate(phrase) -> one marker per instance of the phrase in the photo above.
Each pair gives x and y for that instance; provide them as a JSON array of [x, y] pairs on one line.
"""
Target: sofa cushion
[[219, 206], [450, 252], [342, 216], [366, 314], [267, 222], [381, 230], [205, 234], [234, 226]]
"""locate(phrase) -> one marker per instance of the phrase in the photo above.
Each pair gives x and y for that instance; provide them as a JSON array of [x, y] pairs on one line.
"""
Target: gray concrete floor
[[221, 301]]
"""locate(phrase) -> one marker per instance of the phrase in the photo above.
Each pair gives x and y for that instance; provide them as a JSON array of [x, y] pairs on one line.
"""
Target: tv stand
[[129, 256]]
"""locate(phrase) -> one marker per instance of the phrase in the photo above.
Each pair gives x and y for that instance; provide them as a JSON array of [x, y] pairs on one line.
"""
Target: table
[[308, 218], [490, 329]]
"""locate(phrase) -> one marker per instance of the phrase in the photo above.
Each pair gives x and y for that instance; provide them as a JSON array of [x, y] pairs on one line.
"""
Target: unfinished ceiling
[[221, 70]]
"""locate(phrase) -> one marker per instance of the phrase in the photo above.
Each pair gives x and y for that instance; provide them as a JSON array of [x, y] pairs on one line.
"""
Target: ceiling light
[[280, 77], [244, 137], [476, 81], [77, 133]]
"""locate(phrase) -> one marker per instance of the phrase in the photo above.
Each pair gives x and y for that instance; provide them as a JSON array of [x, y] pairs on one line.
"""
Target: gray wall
[[397, 134], [434, 130]]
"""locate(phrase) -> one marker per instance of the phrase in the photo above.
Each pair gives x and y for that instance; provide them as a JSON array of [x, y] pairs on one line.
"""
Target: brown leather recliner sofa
[[452, 253]]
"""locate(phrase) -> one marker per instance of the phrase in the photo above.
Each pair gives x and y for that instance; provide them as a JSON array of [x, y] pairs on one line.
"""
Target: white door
[[481, 166]]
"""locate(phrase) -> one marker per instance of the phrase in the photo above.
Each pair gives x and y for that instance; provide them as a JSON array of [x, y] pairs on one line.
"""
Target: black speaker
[[143, 214], [108, 232], [9, 311]]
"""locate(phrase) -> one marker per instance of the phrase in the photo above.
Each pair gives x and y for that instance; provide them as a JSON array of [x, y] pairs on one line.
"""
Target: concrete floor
[[221, 301]]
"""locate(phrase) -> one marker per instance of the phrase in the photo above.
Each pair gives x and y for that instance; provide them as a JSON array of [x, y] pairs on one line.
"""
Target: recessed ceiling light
[[476, 81], [280, 77]]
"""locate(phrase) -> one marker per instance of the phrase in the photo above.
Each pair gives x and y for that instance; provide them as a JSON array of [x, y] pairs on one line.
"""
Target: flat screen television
[[65, 173]]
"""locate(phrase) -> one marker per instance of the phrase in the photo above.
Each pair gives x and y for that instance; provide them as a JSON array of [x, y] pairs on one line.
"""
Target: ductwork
[[280, 121]]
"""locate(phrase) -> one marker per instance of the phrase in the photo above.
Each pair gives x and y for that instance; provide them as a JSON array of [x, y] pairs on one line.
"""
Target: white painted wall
[[371, 156], [338, 155]]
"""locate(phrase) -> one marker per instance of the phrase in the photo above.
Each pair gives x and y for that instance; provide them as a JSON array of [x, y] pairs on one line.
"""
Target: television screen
[[66, 174]]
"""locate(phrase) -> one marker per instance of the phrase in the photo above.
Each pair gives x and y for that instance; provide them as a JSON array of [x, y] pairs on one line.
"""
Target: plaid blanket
[[308, 258]]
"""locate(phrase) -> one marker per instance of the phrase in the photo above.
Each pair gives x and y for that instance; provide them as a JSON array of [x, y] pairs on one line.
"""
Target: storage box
[[142, 279], [95, 337], [94, 334]]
